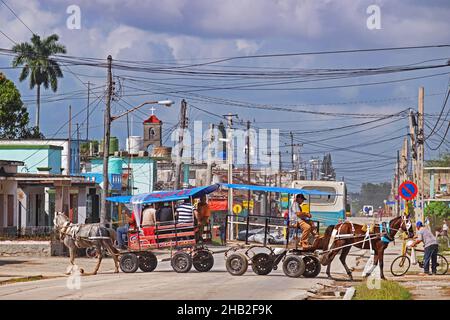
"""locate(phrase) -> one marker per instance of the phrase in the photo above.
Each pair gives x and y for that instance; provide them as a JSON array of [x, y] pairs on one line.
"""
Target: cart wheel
[[442, 265], [129, 263], [293, 266], [147, 261], [181, 262], [400, 266], [312, 267], [91, 252], [203, 260], [236, 264], [262, 264]]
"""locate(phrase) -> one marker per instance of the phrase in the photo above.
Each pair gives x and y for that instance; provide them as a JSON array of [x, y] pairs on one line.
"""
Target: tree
[[38, 66], [14, 116], [443, 161], [374, 194], [438, 208]]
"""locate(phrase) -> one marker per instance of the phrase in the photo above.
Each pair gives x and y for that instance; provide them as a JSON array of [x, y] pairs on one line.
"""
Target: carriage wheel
[[293, 266], [400, 266], [442, 265], [203, 260], [91, 252], [312, 267], [181, 262], [236, 264], [262, 264], [129, 263], [147, 261]]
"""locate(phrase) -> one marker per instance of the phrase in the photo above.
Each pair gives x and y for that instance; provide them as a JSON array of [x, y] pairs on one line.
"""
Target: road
[[163, 283]]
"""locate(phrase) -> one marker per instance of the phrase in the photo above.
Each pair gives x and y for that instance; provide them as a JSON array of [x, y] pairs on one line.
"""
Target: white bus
[[329, 209]]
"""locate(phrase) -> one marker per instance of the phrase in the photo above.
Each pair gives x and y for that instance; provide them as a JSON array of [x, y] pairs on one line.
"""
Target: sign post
[[408, 191]]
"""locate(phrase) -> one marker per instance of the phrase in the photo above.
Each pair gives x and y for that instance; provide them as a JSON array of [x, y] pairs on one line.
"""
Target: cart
[[178, 237], [253, 243]]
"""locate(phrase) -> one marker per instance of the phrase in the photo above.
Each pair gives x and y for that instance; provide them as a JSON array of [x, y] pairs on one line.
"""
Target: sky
[[182, 32]]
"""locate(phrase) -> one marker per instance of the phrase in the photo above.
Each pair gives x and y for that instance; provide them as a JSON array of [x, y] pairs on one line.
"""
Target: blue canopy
[[276, 189], [165, 196]]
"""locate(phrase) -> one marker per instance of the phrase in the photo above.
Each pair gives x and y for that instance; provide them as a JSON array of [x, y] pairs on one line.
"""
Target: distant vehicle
[[329, 209], [368, 211]]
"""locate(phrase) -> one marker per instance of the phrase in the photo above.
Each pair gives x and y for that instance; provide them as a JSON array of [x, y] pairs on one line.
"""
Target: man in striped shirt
[[185, 212]]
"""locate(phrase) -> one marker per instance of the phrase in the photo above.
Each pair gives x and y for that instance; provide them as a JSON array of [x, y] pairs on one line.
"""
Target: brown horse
[[349, 234]]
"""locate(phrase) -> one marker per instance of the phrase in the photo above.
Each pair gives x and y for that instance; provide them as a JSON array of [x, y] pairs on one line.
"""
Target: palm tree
[[37, 64]]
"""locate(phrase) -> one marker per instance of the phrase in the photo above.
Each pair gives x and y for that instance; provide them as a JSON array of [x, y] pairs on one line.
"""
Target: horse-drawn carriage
[[253, 243], [187, 248]]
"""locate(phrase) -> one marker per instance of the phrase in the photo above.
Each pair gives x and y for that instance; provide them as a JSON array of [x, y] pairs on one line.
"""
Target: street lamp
[[108, 120], [166, 103]]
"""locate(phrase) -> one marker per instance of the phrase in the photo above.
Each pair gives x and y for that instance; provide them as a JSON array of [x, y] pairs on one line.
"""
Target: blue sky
[[182, 31]]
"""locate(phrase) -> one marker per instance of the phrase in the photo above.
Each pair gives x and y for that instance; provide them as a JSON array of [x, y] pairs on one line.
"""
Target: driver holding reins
[[302, 219]]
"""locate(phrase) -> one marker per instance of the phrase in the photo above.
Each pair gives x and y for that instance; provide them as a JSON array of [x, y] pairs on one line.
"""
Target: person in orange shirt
[[203, 215]]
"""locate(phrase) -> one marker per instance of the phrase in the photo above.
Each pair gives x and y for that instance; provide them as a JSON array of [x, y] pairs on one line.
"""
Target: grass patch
[[390, 290], [23, 279]]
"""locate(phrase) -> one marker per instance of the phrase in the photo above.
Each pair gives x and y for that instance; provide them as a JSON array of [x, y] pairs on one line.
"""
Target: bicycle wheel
[[400, 266], [442, 265]]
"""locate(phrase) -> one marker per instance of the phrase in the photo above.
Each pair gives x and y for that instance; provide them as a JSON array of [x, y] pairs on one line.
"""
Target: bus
[[330, 209]]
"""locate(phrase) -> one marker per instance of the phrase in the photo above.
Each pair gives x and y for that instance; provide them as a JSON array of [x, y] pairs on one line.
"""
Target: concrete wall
[[25, 248], [143, 168], [34, 156], [8, 188], [56, 163]]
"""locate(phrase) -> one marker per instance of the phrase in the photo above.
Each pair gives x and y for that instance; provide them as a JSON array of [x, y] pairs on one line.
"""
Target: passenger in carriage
[[203, 214], [186, 212], [149, 216], [164, 213], [123, 230]]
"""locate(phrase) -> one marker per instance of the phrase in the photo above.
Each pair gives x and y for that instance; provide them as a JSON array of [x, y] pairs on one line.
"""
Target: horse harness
[[72, 230]]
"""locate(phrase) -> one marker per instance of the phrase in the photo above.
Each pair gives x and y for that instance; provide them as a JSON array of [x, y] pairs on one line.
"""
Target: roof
[[165, 196], [152, 119], [29, 146], [11, 163]]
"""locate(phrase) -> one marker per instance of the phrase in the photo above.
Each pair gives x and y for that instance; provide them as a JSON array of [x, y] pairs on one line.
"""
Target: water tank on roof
[[115, 165], [135, 144]]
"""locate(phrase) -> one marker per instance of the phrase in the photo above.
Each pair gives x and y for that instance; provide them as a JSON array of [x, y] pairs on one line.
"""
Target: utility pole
[[397, 182], [78, 148], [107, 134], [69, 147], [249, 194], [420, 154], [230, 161], [279, 170], [209, 158], [293, 156], [87, 108], [183, 125]]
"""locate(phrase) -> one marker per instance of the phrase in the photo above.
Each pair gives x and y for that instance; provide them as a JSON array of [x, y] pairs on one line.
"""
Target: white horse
[[76, 236]]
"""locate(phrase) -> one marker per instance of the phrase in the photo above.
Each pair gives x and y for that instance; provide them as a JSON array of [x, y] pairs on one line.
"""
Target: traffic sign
[[237, 208], [408, 190]]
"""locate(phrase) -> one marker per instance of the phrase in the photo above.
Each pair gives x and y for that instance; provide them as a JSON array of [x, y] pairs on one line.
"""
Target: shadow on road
[[4, 263]]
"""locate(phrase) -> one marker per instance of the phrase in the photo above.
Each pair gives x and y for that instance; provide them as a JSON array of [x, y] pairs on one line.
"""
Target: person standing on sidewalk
[[431, 248]]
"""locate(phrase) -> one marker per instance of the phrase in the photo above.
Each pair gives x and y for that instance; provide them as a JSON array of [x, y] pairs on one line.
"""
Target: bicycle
[[402, 263]]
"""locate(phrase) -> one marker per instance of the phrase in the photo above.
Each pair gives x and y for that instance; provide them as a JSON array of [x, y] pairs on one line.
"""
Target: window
[[322, 199]]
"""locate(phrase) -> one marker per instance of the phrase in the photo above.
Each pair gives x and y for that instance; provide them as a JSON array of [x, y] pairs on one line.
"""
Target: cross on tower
[[152, 109]]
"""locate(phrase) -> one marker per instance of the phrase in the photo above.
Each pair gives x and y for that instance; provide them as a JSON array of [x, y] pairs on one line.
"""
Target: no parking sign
[[407, 190]]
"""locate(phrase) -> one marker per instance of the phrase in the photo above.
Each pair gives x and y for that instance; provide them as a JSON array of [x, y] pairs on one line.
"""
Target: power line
[[17, 16]]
